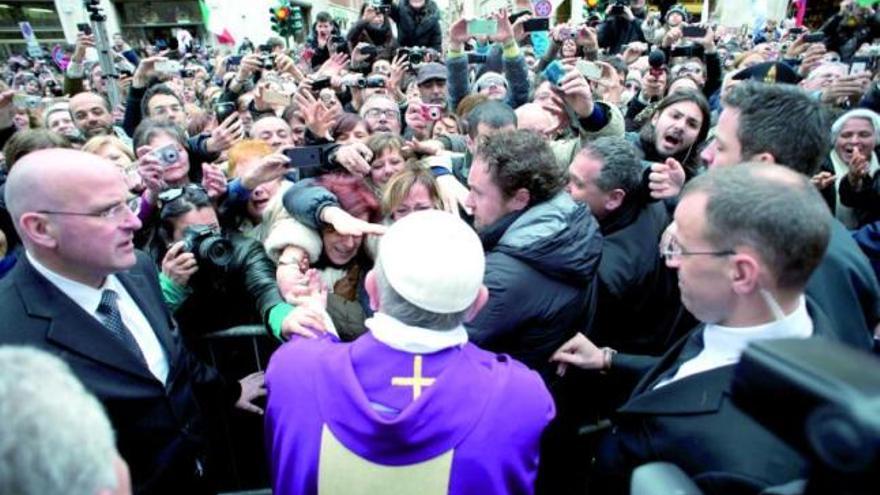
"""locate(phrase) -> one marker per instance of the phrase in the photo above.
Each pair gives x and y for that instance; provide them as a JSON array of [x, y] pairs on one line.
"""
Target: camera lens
[[170, 156], [217, 250]]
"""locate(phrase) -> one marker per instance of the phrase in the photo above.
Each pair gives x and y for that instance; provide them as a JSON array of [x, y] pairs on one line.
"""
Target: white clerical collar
[[87, 297], [733, 340], [415, 340], [723, 345]]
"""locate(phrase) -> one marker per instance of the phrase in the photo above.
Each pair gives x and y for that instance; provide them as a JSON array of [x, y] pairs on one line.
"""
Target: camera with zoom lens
[[416, 56], [267, 61], [338, 44], [374, 82], [207, 245], [382, 6]]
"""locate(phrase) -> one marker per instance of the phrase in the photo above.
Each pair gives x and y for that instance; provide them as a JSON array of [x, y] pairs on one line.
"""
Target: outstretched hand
[[666, 179], [253, 387], [579, 351]]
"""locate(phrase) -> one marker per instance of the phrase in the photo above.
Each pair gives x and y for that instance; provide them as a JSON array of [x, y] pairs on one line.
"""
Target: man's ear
[[482, 299], [764, 157], [745, 273], [37, 228], [615, 199], [520, 199], [372, 289]]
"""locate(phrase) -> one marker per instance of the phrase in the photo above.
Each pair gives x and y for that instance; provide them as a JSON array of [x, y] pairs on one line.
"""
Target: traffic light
[[287, 20]]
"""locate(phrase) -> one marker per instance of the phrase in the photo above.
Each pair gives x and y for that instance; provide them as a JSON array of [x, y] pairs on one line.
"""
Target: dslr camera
[[267, 62], [208, 246], [617, 8], [382, 6], [338, 44], [416, 56]]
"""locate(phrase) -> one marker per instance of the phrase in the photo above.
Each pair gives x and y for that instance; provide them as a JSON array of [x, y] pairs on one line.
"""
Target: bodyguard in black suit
[[70, 210], [744, 240], [638, 310]]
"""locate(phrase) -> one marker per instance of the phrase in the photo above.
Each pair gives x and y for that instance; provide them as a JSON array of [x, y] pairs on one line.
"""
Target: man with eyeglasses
[[744, 241], [780, 123], [381, 114], [83, 292]]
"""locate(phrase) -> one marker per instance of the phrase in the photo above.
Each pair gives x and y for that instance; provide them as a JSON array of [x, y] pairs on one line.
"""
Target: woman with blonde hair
[[112, 148], [412, 189]]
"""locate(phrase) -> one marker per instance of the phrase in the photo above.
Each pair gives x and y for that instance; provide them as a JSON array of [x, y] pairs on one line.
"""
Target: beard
[[99, 130]]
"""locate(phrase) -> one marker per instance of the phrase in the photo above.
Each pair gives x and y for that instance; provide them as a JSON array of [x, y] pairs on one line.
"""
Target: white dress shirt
[[724, 345], [89, 298]]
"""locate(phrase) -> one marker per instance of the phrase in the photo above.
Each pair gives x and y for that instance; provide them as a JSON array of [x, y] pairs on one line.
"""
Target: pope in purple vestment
[[407, 409]]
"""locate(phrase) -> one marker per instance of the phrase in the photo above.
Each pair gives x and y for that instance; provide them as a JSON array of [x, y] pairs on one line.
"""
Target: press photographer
[[213, 280]]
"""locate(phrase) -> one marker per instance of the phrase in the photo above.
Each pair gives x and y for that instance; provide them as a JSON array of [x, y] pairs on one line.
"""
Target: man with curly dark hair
[[542, 249]]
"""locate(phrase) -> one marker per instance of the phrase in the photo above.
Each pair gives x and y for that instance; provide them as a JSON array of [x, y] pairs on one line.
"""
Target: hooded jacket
[[541, 265]]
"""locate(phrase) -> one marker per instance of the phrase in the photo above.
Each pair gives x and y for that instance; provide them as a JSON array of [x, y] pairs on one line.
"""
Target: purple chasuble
[[469, 421]]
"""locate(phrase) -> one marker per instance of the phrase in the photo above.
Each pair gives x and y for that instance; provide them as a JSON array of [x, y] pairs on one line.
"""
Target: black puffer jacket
[[418, 27], [541, 266]]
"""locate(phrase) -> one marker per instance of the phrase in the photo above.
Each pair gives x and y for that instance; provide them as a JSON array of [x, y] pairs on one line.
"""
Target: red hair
[[354, 195]]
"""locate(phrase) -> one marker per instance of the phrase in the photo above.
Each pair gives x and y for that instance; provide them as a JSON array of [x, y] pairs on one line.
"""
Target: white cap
[[433, 260]]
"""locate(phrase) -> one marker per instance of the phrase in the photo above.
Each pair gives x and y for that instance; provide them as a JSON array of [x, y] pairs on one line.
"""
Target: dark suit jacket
[[694, 424], [845, 287], [158, 427], [639, 306]]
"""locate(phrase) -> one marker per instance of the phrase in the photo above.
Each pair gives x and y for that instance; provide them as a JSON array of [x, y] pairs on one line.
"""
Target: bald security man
[[83, 293]]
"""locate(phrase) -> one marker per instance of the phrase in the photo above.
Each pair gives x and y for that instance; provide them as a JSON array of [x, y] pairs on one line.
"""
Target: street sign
[[30, 39], [543, 8]]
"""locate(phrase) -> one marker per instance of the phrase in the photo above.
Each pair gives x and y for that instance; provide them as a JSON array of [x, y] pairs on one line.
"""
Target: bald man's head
[[533, 117], [48, 179], [69, 208], [274, 131]]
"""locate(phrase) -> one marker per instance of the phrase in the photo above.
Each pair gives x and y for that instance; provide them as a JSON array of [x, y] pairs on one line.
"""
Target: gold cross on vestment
[[417, 381]]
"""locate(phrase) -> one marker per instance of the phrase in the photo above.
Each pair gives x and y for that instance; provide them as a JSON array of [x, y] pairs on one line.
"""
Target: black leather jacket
[[242, 293]]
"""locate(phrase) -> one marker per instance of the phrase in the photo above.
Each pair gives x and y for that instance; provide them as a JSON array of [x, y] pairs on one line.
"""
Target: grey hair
[[782, 120], [775, 212], [621, 168], [374, 98], [54, 435], [859, 113], [394, 305]]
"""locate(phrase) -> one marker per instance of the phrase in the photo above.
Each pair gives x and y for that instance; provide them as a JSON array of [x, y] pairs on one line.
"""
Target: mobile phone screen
[[482, 27], [539, 24]]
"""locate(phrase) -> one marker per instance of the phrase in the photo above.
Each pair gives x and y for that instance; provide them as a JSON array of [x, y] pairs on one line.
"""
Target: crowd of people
[[496, 259]]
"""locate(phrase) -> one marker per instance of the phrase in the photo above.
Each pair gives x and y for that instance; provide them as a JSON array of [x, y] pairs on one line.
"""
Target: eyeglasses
[[171, 195], [115, 212], [687, 69], [375, 113], [671, 250]]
